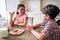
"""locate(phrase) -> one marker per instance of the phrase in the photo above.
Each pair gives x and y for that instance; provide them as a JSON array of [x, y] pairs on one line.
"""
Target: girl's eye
[[46, 15]]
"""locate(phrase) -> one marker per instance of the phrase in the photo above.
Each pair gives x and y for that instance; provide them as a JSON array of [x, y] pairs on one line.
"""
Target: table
[[24, 36]]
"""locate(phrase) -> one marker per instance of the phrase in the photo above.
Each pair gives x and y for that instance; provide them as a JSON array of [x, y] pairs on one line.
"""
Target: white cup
[[0, 35], [30, 21], [4, 32]]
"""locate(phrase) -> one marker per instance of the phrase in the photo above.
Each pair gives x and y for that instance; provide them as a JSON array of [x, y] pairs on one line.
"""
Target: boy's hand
[[29, 28], [11, 13]]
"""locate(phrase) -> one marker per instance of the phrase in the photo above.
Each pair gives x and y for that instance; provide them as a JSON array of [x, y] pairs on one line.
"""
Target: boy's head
[[51, 10]]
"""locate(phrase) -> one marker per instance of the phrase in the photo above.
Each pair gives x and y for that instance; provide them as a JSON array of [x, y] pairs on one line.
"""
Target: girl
[[21, 18]]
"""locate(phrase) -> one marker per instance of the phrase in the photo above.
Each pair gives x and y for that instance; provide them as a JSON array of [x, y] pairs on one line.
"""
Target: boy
[[51, 30]]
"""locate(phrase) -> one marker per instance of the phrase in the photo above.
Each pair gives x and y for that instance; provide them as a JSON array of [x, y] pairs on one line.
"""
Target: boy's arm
[[40, 24], [37, 25], [40, 36]]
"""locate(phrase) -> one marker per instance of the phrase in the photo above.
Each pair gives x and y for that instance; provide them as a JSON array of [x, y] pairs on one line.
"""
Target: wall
[[12, 4], [34, 5], [36, 17], [2, 8], [32, 8], [46, 2], [6, 6]]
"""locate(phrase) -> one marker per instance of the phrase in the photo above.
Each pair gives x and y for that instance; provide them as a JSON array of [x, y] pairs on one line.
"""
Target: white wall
[[36, 17], [12, 4], [34, 10], [6, 6], [33, 6], [2, 8], [46, 2]]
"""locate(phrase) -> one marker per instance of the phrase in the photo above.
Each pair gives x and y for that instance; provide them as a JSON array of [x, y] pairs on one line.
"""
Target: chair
[[58, 22]]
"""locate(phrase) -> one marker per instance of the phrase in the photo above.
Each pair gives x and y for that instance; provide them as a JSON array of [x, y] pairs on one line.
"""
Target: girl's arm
[[11, 17], [12, 21], [24, 22]]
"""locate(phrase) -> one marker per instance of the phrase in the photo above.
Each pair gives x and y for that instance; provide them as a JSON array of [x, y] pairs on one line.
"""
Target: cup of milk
[[4, 32], [0, 35]]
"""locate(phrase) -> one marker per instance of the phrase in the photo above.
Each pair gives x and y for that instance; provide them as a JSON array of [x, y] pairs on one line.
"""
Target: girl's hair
[[51, 10], [19, 5]]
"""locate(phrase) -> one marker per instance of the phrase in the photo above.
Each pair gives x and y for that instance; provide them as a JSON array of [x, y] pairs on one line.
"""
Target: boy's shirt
[[49, 28]]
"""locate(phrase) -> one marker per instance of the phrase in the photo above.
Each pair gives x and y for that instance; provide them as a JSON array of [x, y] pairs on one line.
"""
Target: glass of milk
[[0, 35], [4, 32], [3, 27], [30, 21]]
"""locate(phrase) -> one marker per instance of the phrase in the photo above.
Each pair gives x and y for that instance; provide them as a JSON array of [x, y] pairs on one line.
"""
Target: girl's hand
[[29, 28], [11, 13]]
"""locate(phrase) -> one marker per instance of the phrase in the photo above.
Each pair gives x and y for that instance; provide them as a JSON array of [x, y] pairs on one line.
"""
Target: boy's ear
[[48, 17]]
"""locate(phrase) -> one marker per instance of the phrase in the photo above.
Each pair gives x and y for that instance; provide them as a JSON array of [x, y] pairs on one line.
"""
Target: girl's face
[[21, 10], [46, 17]]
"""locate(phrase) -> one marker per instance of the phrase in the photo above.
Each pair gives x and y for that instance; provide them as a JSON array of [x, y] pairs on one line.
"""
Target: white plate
[[16, 31]]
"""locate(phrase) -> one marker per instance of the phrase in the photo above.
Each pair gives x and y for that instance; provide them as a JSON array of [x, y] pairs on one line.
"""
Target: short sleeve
[[43, 23], [46, 29], [25, 16]]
